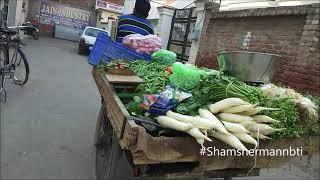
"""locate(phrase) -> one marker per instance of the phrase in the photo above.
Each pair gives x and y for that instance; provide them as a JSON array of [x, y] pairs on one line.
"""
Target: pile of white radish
[[239, 123], [241, 120]]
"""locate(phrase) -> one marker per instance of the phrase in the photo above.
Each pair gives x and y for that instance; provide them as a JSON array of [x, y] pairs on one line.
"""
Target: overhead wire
[[188, 5], [162, 4]]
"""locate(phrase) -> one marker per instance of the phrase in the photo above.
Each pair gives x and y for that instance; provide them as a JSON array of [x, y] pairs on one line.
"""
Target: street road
[[47, 126]]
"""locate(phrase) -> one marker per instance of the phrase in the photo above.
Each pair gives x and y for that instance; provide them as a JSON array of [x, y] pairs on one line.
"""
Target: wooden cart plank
[[121, 79], [116, 112], [152, 150]]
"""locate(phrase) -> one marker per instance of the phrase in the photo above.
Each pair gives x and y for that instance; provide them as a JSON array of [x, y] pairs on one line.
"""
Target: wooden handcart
[[124, 150]]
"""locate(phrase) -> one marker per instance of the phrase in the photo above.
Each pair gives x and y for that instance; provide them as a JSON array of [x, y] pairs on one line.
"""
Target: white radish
[[257, 110], [235, 118], [204, 131], [196, 133], [229, 139], [258, 127], [208, 115], [245, 138], [226, 103], [247, 124], [200, 141], [270, 131], [173, 124], [264, 119], [233, 127], [259, 136], [238, 109], [196, 121], [262, 128]]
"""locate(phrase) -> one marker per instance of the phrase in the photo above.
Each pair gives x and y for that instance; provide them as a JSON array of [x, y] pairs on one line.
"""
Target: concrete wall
[[128, 6], [292, 32], [33, 9], [15, 8]]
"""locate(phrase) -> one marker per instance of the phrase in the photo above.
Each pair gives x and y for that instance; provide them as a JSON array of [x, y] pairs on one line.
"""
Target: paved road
[[47, 126]]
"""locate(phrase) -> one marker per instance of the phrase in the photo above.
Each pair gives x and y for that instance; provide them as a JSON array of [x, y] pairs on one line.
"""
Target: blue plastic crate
[[106, 50]]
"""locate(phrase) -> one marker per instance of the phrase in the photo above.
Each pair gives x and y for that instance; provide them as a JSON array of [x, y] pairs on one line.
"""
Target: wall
[[292, 32], [34, 7], [128, 6], [104, 21], [15, 8], [154, 23], [85, 4], [48, 30]]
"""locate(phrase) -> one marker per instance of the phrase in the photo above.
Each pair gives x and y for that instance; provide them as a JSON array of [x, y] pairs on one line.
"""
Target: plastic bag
[[164, 56], [158, 104], [142, 44], [174, 93], [186, 76]]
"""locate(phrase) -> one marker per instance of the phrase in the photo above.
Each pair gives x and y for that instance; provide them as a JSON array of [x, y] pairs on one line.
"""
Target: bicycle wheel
[[20, 65], [3, 63]]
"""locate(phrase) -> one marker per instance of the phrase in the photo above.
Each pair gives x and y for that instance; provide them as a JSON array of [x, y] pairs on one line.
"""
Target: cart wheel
[[111, 162]]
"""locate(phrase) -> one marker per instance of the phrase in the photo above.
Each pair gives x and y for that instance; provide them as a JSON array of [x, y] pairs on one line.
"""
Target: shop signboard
[[62, 14], [100, 4]]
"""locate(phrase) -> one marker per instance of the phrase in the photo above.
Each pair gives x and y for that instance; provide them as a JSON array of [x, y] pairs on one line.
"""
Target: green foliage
[[287, 115], [153, 74], [313, 125]]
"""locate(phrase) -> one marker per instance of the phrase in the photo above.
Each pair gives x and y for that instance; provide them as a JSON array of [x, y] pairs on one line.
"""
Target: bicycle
[[12, 60]]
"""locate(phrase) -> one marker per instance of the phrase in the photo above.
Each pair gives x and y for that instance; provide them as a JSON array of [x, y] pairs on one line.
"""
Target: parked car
[[88, 38]]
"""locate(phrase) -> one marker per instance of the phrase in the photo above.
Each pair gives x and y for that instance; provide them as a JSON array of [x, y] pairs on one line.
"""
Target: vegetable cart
[[124, 150]]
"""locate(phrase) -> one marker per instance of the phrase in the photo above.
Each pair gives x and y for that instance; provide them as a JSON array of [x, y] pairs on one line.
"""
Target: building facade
[[107, 12], [13, 12], [64, 18]]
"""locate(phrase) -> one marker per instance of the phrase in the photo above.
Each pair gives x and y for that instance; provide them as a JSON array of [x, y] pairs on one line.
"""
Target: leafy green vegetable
[[287, 115], [153, 74], [216, 88], [155, 79], [312, 126]]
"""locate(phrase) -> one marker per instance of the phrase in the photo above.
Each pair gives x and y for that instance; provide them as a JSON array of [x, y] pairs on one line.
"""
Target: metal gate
[[183, 22]]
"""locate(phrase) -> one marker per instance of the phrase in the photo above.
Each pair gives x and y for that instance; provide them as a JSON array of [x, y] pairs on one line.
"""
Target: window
[[93, 32]]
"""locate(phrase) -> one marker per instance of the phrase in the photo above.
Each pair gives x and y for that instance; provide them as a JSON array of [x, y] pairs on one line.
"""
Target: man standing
[[135, 23]]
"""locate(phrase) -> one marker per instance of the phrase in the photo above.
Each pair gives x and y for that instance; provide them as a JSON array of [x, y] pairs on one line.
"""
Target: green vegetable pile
[[153, 74], [155, 79], [216, 88]]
